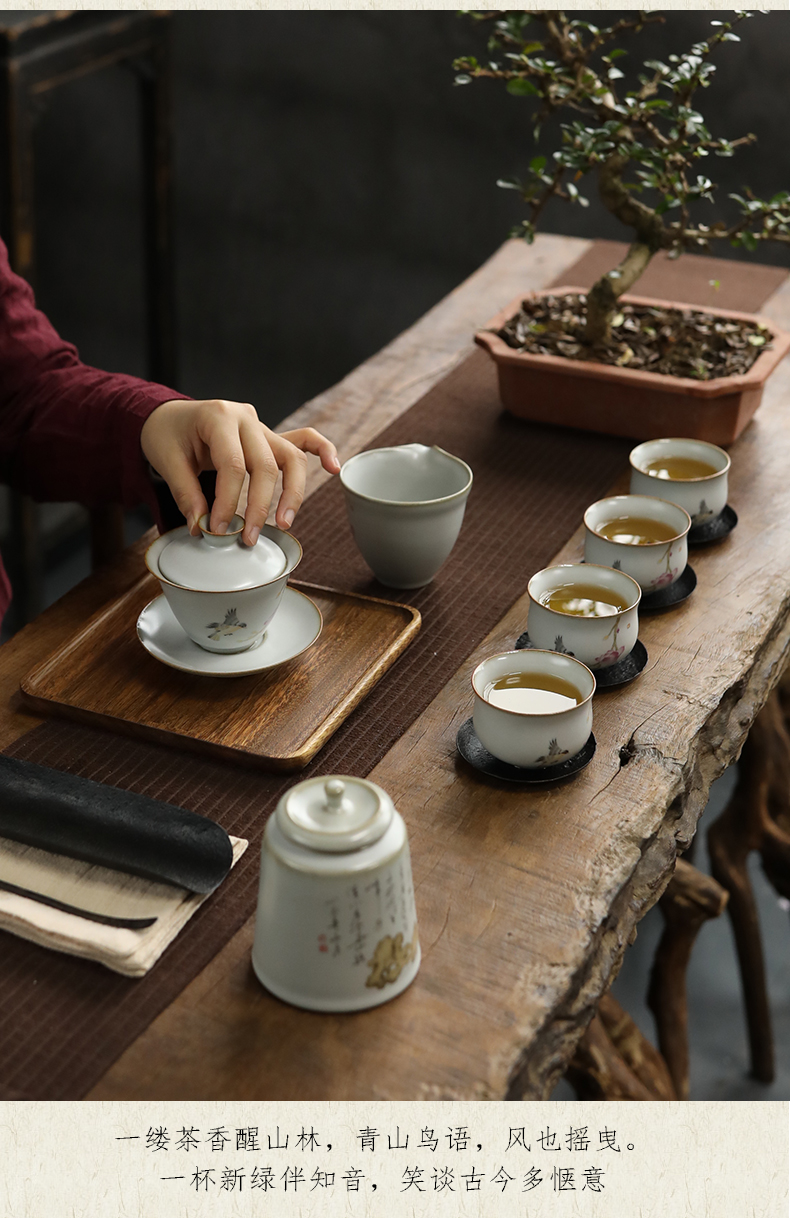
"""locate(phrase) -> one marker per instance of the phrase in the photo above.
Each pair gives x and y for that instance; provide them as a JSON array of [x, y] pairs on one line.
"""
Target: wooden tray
[[276, 720]]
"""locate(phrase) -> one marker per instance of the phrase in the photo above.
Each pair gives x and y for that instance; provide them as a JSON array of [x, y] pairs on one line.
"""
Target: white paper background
[[689, 1160], [712, 1160]]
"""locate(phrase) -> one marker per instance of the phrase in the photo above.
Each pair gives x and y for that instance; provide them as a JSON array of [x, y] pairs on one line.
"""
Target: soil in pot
[[649, 338]]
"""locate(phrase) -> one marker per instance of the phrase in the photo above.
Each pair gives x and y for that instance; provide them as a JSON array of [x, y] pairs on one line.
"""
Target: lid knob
[[334, 814], [334, 790]]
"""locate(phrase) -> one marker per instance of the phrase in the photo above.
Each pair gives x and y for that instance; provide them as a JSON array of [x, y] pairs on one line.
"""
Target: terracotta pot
[[623, 401]]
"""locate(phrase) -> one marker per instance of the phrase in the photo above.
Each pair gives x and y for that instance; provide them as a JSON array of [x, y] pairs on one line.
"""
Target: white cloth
[[131, 952]]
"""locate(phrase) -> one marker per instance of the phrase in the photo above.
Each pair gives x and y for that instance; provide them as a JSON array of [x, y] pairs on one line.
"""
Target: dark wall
[[331, 185]]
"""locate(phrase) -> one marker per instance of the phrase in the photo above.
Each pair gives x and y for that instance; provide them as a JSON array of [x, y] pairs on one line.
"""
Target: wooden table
[[526, 902]]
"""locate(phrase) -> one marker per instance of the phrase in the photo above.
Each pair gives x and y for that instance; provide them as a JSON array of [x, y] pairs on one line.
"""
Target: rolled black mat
[[87, 820]]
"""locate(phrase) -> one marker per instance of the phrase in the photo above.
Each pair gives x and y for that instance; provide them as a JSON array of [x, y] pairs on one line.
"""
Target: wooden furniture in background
[[38, 53], [614, 1061], [691, 899], [526, 901], [757, 819]]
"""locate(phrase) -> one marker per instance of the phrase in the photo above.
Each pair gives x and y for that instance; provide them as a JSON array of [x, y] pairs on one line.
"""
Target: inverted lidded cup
[[585, 611], [406, 505], [691, 473], [641, 535], [223, 593], [559, 722]]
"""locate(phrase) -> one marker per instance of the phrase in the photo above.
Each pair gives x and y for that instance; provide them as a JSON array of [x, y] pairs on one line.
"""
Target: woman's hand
[[181, 439]]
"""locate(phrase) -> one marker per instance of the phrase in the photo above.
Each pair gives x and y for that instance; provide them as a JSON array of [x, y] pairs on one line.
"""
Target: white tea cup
[[533, 739], [406, 506], [703, 496], [655, 564], [609, 631]]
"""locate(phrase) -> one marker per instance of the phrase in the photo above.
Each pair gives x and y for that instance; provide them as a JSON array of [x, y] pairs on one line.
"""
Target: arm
[[67, 431]]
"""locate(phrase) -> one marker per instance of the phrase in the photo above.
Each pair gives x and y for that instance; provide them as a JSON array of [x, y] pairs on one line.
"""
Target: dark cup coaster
[[714, 530], [667, 598], [480, 759], [606, 678]]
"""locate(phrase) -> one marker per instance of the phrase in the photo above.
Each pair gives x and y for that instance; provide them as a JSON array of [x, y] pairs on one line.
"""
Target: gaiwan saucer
[[621, 673], [476, 755], [295, 626]]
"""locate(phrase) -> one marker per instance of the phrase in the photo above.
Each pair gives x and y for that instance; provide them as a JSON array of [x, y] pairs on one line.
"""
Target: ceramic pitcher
[[336, 927]]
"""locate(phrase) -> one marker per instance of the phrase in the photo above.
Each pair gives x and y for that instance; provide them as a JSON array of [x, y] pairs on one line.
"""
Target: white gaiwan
[[222, 592]]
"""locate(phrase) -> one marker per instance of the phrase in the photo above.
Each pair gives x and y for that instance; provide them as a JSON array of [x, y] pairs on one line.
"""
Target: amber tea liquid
[[584, 600], [681, 469], [636, 530], [532, 693]]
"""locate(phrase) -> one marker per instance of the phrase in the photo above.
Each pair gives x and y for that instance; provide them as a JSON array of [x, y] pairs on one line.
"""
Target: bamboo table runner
[[62, 1021]]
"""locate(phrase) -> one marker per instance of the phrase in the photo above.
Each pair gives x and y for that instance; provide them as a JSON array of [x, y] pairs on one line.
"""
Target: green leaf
[[537, 164], [521, 87], [525, 230]]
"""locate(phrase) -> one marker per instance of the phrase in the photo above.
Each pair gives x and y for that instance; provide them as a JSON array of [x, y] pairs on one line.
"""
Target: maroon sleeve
[[67, 431]]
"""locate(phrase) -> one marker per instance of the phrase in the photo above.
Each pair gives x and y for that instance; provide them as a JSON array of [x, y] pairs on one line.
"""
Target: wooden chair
[[39, 51]]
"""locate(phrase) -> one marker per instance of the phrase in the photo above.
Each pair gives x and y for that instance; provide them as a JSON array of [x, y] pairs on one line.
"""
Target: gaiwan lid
[[332, 815], [220, 562]]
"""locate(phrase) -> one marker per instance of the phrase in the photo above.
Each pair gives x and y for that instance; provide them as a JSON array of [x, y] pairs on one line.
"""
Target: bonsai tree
[[646, 144]]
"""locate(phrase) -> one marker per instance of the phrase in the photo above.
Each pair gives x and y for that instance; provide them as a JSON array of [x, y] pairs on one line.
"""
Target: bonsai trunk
[[603, 296], [650, 237]]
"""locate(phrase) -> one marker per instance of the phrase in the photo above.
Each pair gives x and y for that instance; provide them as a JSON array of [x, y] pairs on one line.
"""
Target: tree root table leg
[[614, 1061], [757, 818], [691, 898]]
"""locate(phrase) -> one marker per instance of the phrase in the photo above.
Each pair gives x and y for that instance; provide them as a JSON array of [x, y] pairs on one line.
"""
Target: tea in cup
[[643, 536], [406, 506], [586, 611], [690, 473], [533, 708]]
